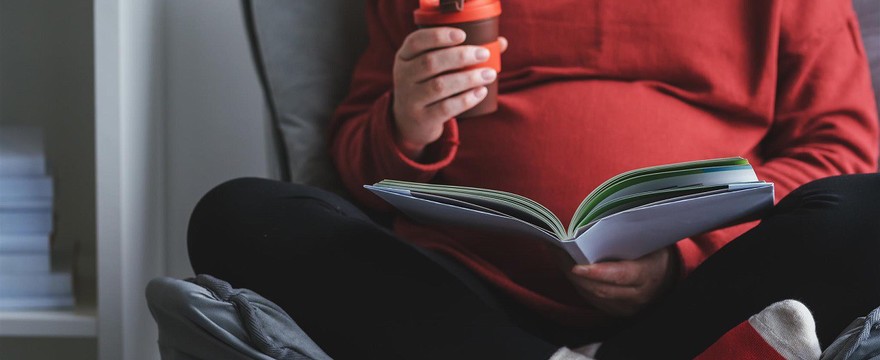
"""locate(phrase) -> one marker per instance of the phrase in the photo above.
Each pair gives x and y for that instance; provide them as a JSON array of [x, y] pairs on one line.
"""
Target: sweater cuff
[[394, 163], [689, 257]]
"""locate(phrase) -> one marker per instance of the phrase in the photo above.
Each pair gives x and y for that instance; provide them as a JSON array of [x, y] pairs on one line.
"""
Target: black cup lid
[[447, 6]]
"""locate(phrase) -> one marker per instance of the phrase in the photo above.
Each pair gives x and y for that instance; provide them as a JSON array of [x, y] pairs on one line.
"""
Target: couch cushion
[[869, 19], [308, 51]]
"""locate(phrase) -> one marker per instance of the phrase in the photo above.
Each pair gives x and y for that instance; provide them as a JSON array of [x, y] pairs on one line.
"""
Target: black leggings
[[361, 293]]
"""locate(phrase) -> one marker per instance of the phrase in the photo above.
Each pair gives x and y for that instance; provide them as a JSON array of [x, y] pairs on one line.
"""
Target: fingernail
[[481, 92], [581, 269], [457, 35], [488, 74], [482, 54]]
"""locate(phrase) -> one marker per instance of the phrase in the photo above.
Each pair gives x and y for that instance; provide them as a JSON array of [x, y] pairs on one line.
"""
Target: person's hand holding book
[[627, 286], [428, 91]]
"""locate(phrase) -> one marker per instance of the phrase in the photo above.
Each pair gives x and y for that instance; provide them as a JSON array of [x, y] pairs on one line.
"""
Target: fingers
[[601, 291], [621, 273], [627, 272], [441, 87], [607, 291], [503, 42], [424, 40], [428, 91], [453, 106], [623, 287], [439, 61], [612, 299]]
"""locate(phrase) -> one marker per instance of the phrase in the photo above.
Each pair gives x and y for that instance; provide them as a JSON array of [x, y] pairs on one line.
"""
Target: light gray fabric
[[860, 340], [869, 22], [205, 318], [309, 49]]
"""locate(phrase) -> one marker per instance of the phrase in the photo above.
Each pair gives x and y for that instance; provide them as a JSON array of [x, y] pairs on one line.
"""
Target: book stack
[[27, 280]]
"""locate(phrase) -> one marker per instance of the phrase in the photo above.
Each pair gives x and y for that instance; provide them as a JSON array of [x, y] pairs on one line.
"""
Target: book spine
[[24, 263], [21, 165], [25, 187], [12, 243], [25, 204], [35, 302], [575, 251], [49, 284], [25, 221]]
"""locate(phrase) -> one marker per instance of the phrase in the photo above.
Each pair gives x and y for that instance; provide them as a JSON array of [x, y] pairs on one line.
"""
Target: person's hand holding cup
[[446, 70], [431, 84]]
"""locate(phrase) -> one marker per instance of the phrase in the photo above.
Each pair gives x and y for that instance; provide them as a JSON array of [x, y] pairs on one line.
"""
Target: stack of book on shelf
[[27, 278]]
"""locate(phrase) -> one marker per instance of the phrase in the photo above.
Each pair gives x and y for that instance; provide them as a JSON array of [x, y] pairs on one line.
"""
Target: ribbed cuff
[[391, 158], [689, 257]]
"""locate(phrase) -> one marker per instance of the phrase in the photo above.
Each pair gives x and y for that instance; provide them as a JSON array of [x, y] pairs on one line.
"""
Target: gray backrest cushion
[[869, 19], [308, 51]]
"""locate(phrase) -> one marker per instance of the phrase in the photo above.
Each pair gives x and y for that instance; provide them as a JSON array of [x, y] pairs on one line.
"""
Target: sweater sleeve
[[362, 129], [825, 116]]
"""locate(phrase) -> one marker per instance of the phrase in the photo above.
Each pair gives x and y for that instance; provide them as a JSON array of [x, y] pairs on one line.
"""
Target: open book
[[627, 216]]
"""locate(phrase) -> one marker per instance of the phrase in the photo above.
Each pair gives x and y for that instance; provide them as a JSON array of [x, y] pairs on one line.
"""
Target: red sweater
[[592, 88]]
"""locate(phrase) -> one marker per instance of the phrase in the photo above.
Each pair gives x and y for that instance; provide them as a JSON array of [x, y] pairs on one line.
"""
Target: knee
[[231, 192], [836, 216], [214, 220], [242, 196], [235, 209], [852, 196], [217, 203]]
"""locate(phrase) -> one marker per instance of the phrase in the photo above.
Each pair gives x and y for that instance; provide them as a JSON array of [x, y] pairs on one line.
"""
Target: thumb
[[503, 42]]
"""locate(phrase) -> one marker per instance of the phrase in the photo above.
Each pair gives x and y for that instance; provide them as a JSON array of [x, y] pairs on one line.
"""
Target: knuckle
[[452, 83], [467, 99], [477, 77], [464, 55], [437, 85], [411, 38], [448, 108], [429, 63], [438, 37]]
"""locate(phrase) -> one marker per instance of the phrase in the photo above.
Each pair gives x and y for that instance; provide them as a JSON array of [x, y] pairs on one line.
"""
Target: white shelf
[[79, 322]]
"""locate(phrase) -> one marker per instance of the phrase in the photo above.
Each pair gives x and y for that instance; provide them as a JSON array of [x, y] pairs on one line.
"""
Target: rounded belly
[[556, 142]]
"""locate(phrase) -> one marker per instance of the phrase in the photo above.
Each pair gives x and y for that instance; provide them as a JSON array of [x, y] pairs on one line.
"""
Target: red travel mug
[[479, 20]]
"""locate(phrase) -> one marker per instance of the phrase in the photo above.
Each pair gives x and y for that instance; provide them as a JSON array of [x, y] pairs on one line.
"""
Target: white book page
[[432, 212], [708, 179], [633, 233]]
